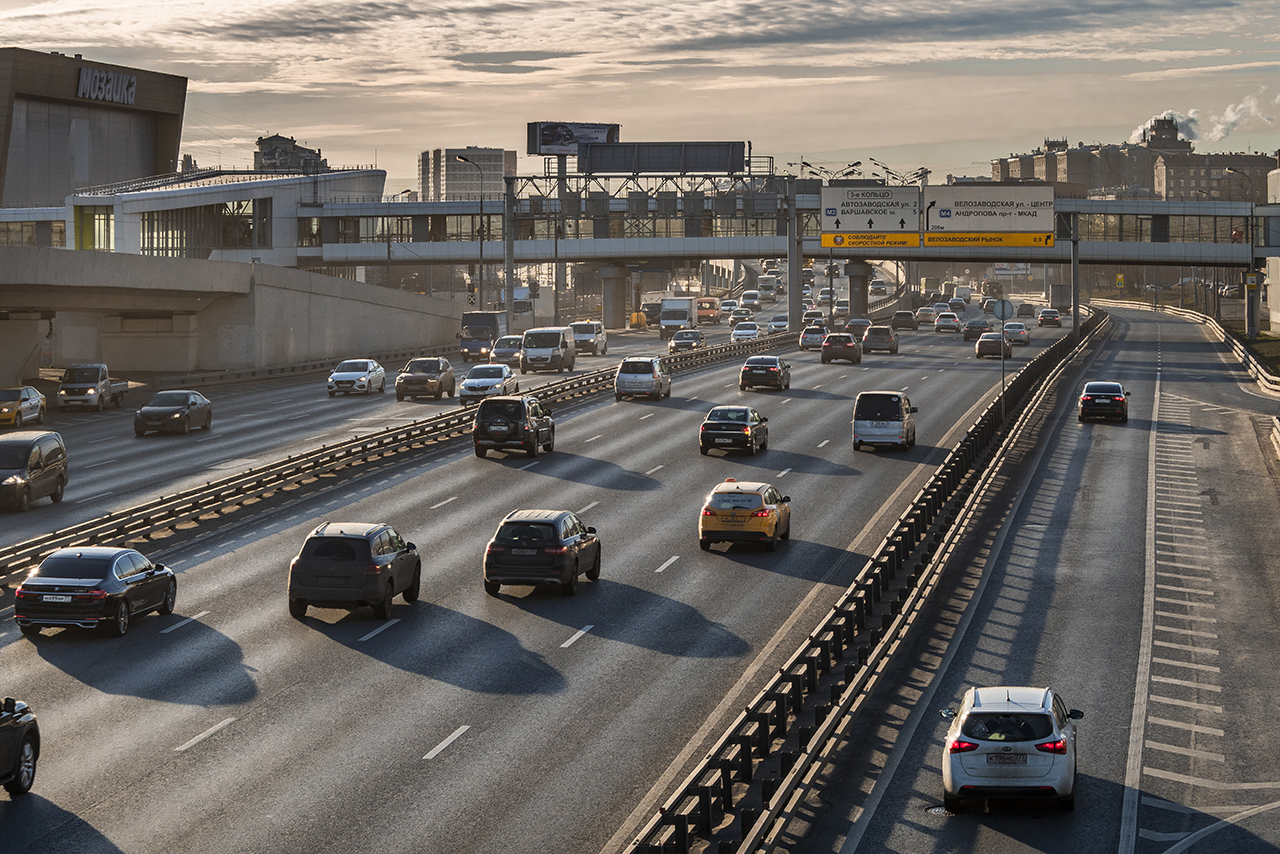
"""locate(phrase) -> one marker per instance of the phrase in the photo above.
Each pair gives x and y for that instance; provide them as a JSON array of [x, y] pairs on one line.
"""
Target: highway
[[1129, 571], [529, 721]]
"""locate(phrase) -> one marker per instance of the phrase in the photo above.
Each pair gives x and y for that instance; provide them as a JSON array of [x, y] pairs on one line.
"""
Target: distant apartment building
[[1160, 166], [444, 178]]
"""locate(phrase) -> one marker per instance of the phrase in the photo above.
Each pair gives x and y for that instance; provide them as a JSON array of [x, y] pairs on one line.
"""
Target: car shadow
[[806, 560], [196, 665], [775, 459], [653, 621], [801, 393], [34, 825], [579, 469], [447, 646]]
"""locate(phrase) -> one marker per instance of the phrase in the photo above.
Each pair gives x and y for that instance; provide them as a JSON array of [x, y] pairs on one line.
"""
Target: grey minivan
[[33, 464], [883, 418], [642, 375]]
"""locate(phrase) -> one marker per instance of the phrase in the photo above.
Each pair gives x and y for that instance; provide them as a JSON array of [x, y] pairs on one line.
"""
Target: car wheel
[[1124, 419], [786, 535], [531, 447], [703, 449], [742, 386], [570, 587], [332, 393], [617, 396], [705, 545], [492, 588], [751, 447], [1080, 418], [102, 404], [382, 387], [186, 426], [772, 545], [668, 394], [551, 443], [297, 608], [40, 417], [22, 501], [950, 804], [656, 395], [480, 452], [382, 610], [17, 421], [400, 395], [411, 592], [29, 630], [439, 394], [593, 574], [170, 598], [58, 489], [26, 776], [120, 622], [452, 390], [605, 351], [208, 424]]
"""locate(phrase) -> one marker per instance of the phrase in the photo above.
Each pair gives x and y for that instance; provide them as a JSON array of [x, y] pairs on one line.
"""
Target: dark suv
[[513, 423], [19, 746], [541, 547], [879, 338], [349, 564], [33, 464]]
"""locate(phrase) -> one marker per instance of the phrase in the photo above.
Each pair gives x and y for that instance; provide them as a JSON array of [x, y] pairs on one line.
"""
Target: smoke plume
[[1235, 117]]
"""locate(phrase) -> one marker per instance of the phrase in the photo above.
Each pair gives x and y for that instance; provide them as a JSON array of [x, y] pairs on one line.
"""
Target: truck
[[90, 385], [677, 313], [480, 329]]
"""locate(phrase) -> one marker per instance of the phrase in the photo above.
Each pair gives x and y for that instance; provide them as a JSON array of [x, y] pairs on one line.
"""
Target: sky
[[943, 84]]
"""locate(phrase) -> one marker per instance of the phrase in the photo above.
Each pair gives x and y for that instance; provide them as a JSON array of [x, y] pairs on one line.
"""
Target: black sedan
[[19, 746], [769, 371], [1104, 400], [976, 328], [734, 427], [541, 547], [174, 412], [686, 339], [93, 586]]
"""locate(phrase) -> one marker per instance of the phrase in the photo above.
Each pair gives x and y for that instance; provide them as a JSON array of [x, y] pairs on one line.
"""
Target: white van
[[883, 418], [751, 300], [768, 288], [590, 335], [548, 348]]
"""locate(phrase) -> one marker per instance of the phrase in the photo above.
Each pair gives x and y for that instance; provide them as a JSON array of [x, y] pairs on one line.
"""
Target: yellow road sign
[[1012, 238], [876, 241]]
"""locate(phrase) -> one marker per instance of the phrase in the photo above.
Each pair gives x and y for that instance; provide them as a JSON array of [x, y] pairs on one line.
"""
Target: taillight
[[775, 370], [92, 594], [760, 513], [372, 569], [707, 511], [746, 431], [1059, 746], [494, 550], [23, 594], [556, 550], [1085, 397], [959, 745]]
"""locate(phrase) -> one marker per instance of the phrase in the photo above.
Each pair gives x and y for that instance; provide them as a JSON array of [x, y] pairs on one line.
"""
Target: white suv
[[1010, 743]]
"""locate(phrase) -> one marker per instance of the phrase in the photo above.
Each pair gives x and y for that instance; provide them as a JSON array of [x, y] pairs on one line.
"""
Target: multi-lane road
[[529, 721]]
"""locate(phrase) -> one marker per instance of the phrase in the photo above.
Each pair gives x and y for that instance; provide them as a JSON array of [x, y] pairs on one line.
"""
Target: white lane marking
[[1209, 784], [1184, 751], [904, 388], [1186, 683], [818, 386], [443, 503], [1191, 665], [1201, 649], [655, 468], [1190, 632], [788, 400], [1187, 704], [99, 441], [1204, 730], [576, 635], [1176, 565], [300, 417], [440, 748], [93, 497], [823, 442], [202, 736], [668, 563], [95, 465], [382, 628], [593, 438], [842, 376], [588, 507], [691, 399], [528, 465], [783, 473], [190, 619], [1186, 617], [643, 417], [1192, 590]]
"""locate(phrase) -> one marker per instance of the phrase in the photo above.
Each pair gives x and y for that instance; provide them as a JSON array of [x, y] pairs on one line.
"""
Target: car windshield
[[735, 501], [81, 375], [728, 413], [508, 342], [168, 398], [485, 372], [541, 339], [1007, 726], [353, 367], [1014, 327], [636, 367], [423, 366], [687, 336], [87, 568], [1103, 388], [813, 330], [526, 533], [10, 394], [878, 407], [336, 548], [504, 408], [746, 327], [14, 457], [763, 360], [582, 328], [990, 336], [839, 339], [476, 333]]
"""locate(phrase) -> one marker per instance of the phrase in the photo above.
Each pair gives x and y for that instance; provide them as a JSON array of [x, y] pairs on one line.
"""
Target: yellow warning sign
[[1012, 238], [874, 240]]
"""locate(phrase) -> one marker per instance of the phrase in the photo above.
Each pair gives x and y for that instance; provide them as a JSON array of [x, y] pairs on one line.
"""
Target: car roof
[[91, 552], [347, 529], [1010, 699], [731, 485], [26, 437], [978, 321], [535, 515]]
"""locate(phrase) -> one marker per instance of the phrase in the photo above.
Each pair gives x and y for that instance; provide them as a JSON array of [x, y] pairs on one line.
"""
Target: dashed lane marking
[[588, 507], [202, 736], [443, 503], [668, 563], [382, 628], [440, 748], [576, 635], [190, 619]]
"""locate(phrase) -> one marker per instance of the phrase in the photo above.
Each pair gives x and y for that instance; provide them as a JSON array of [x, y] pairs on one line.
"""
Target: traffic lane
[[112, 469], [235, 615], [1041, 621]]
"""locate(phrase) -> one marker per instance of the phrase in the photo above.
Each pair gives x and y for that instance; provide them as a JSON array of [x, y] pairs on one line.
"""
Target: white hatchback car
[[1010, 743], [947, 321], [357, 376], [747, 330]]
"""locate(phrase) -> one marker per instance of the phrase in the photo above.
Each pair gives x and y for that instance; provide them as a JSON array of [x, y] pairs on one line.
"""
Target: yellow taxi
[[744, 511], [21, 405]]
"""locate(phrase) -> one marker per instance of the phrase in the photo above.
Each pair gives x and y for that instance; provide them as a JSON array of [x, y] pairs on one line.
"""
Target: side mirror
[[786, 499], [411, 547], [590, 530], [160, 567], [10, 705], [1075, 714], [948, 714], [915, 409], [764, 419], [1126, 394]]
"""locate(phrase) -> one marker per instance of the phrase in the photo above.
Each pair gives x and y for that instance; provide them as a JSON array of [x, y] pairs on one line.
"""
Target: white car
[[751, 299], [1017, 333], [1010, 742], [747, 330], [947, 321], [357, 375], [842, 307], [778, 323], [487, 380], [826, 295], [727, 306], [811, 338]]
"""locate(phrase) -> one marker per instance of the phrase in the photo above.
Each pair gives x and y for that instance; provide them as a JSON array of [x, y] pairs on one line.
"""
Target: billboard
[[983, 208], [563, 137], [633, 158]]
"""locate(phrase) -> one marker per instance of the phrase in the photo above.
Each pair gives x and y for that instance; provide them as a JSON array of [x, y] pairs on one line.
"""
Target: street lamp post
[[479, 270], [1251, 303]]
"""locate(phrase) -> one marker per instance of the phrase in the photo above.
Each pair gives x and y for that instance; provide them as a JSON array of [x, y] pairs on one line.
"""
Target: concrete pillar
[[614, 282], [860, 274], [21, 342]]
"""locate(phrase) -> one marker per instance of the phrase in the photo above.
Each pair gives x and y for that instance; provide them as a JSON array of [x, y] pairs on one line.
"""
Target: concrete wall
[[20, 345]]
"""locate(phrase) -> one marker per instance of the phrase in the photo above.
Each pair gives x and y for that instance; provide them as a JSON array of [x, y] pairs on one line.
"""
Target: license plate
[[879, 423], [1006, 759], [53, 598], [524, 552], [724, 440], [759, 370]]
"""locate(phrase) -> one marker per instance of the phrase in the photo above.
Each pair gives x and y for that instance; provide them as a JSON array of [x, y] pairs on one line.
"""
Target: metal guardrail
[[741, 795], [167, 512]]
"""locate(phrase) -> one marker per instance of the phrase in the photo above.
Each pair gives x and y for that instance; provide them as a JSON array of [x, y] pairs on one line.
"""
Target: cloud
[[1188, 125]]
